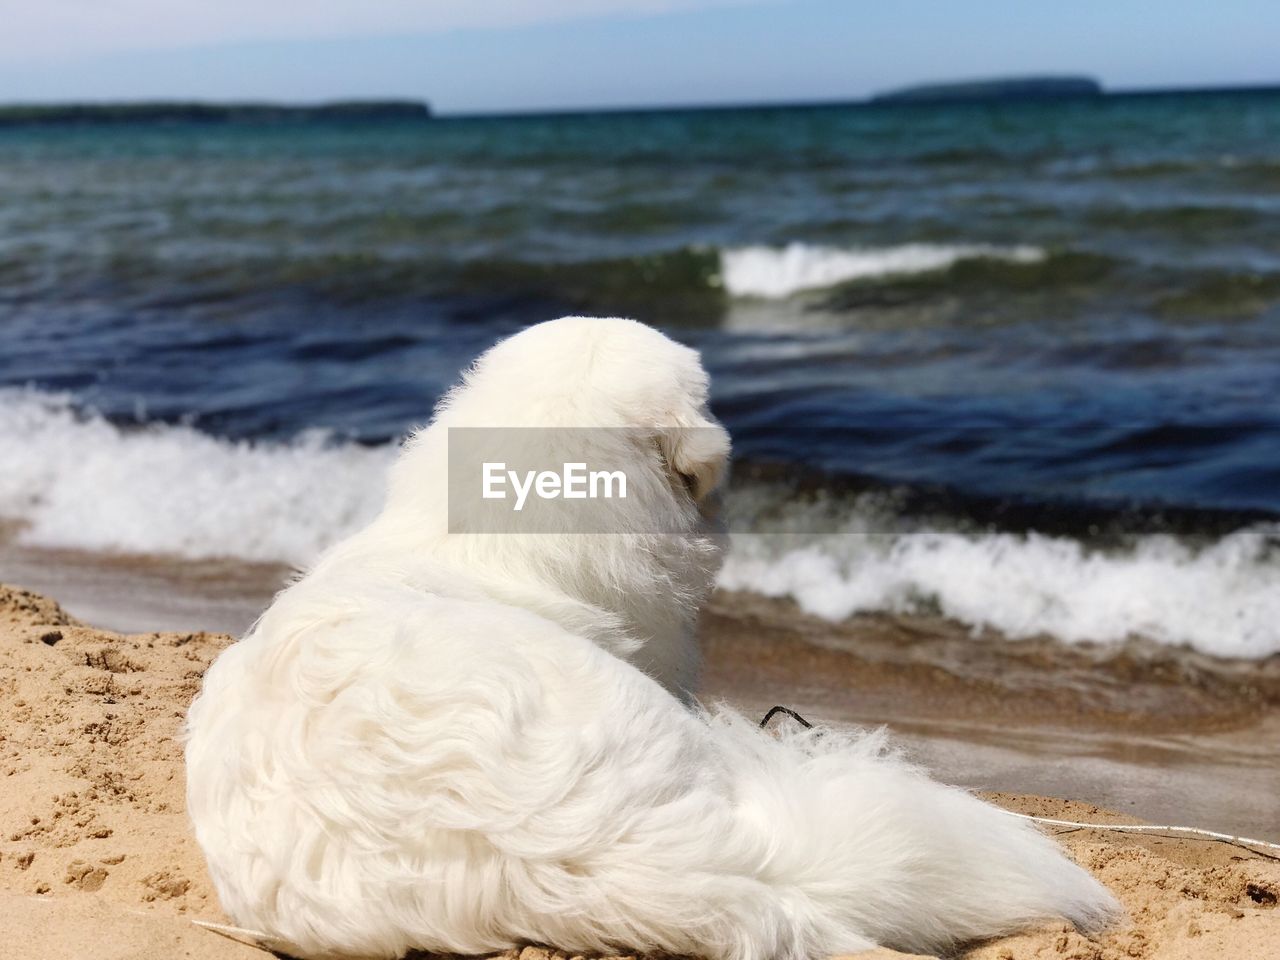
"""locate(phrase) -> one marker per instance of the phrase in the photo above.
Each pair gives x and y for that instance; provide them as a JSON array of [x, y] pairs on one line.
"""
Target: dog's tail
[[864, 846]]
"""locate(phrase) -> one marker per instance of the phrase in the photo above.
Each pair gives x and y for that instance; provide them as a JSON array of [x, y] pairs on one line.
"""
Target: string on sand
[[1245, 843], [787, 712]]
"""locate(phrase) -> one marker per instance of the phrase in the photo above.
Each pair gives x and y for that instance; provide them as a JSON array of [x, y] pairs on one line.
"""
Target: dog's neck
[[637, 597]]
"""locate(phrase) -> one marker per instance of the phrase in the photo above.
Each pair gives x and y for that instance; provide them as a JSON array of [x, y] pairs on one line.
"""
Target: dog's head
[[602, 374]]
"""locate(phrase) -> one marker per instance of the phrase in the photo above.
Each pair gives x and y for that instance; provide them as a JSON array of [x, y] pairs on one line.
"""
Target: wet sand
[[140, 594], [1166, 735]]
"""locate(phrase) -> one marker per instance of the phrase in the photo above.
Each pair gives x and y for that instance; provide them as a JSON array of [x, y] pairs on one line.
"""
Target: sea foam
[[1220, 599], [75, 480], [773, 273], [72, 479]]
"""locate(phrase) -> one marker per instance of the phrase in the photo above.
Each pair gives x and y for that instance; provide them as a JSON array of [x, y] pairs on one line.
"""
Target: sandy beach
[[96, 858]]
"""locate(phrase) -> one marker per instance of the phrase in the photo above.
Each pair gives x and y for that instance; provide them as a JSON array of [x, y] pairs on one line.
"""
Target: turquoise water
[[1070, 301]]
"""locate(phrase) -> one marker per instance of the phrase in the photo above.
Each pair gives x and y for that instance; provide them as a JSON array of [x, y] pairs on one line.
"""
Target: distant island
[[94, 114], [1010, 88]]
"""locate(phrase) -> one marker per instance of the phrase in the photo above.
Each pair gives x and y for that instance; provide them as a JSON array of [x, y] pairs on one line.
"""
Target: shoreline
[[1162, 733]]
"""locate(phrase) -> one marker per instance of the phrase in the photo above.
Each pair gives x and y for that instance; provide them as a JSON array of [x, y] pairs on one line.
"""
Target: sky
[[516, 55]]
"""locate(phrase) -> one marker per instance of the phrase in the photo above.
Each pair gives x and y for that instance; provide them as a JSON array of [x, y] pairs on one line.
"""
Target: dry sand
[[96, 860]]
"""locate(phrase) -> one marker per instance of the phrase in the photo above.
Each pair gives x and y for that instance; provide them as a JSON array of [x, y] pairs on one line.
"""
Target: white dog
[[460, 742]]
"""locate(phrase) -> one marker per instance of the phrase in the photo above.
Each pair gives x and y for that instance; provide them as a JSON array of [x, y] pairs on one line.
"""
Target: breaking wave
[[1219, 598], [73, 479], [773, 273]]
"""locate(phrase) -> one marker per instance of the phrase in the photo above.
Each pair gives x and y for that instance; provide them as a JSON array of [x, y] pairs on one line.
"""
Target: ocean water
[[1015, 364]]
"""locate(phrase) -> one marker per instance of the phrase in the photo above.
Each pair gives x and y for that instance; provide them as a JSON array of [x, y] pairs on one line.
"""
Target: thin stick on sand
[[1247, 843]]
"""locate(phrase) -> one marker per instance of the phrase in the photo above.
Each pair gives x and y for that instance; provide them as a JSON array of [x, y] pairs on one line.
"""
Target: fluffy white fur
[[464, 742]]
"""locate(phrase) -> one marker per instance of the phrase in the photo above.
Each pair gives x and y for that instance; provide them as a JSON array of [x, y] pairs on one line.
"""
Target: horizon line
[[865, 101], [708, 107]]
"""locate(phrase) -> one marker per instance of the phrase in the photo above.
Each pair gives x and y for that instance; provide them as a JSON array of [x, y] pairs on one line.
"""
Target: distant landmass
[[1009, 88], [195, 112]]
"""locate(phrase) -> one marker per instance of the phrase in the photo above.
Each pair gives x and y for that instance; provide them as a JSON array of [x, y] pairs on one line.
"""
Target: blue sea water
[[1039, 320]]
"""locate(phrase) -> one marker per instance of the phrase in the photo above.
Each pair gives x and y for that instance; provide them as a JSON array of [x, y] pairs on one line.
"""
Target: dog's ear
[[695, 451]]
